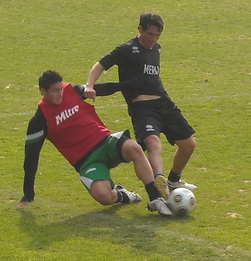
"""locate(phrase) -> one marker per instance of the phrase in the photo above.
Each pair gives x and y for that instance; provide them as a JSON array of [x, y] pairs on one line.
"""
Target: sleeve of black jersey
[[36, 133], [116, 57], [102, 89], [109, 88]]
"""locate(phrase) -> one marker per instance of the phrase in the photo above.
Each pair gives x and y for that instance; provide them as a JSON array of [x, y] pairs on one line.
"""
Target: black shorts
[[159, 116]]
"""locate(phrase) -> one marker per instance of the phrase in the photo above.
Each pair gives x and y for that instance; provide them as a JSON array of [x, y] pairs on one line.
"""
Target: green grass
[[206, 70]]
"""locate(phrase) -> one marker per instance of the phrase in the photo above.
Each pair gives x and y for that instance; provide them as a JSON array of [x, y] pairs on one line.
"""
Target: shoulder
[[158, 47], [80, 88], [133, 41], [127, 45], [127, 49], [38, 116], [37, 128], [37, 123]]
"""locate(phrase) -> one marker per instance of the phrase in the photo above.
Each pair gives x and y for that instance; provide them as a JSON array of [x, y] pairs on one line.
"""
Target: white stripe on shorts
[[118, 134], [86, 181]]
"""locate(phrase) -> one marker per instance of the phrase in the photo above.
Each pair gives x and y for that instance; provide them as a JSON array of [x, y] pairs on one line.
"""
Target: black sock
[[151, 190], [122, 197], [174, 177]]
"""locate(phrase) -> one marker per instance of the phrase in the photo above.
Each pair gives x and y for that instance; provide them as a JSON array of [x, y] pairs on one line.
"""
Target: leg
[[102, 192], [132, 151], [179, 132], [153, 147], [181, 157], [95, 175], [183, 154]]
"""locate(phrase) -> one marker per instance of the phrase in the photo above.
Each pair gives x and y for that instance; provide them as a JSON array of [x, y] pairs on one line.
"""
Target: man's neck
[[141, 43]]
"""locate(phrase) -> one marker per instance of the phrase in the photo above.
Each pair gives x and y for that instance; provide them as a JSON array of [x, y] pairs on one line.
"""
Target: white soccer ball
[[181, 201]]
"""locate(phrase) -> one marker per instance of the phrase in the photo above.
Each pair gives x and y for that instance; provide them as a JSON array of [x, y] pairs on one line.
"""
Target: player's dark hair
[[48, 78], [148, 19]]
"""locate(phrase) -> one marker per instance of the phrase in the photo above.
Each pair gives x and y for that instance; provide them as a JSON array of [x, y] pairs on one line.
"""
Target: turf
[[205, 67]]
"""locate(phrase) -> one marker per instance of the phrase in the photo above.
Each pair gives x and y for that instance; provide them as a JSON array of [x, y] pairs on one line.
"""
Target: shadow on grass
[[139, 232]]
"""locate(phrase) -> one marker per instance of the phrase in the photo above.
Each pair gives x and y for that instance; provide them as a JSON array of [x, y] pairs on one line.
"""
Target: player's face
[[54, 94], [149, 36]]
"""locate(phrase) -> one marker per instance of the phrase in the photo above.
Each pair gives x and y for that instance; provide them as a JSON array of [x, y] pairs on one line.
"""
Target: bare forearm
[[94, 74]]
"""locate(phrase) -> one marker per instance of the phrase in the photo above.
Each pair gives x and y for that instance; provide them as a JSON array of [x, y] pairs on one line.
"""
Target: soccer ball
[[181, 201]]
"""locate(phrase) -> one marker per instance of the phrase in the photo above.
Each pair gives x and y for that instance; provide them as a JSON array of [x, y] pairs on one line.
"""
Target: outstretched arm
[[104, 89], [34, 141], [30, 168], [108, 88]]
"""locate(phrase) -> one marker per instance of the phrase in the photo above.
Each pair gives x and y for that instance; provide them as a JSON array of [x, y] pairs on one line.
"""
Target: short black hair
[[48, 78], [148, 19]]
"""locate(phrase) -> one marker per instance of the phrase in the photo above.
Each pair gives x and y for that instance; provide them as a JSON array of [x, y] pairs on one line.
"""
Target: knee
[[102, 198], [105, 201], [191, 145], [136, 149], [188, 145], [153, 143], [102, 194], [132, 150]]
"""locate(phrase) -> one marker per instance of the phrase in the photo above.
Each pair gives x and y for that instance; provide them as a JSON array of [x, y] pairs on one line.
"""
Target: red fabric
[[73, 126]]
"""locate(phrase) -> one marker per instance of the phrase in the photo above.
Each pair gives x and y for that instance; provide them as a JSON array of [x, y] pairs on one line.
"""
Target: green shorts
[[108, 155]]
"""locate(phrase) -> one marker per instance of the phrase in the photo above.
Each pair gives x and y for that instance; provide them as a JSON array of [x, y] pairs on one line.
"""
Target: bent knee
[[191, 144], [105, 201], [102, 192], [187, 145], [131, 149], [103, 198]]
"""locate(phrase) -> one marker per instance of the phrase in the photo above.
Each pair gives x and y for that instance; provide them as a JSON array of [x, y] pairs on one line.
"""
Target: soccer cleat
[[133, 197], [180, 184], [160, 206], [161, 185]]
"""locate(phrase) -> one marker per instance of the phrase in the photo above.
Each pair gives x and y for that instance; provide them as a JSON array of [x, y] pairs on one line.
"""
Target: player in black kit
[[151, 110]]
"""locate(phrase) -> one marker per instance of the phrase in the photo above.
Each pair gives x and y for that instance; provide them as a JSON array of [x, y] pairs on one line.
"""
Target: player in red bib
[[73, 126]]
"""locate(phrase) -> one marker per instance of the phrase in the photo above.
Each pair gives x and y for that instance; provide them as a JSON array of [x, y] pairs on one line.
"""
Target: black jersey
[[136, 61]]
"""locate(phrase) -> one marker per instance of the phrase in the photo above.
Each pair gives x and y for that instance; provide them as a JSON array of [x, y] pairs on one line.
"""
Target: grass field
[[206, 70]]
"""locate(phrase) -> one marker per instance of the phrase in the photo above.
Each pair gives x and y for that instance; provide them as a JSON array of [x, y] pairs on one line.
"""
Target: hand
[[22, 203], [90, 93]]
